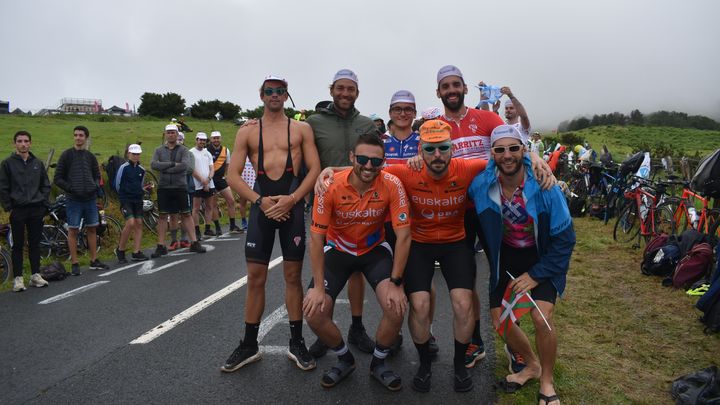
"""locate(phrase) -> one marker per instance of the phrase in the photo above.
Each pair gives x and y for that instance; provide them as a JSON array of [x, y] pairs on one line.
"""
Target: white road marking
[[176, 320], [72, 292], [222, 240], [150, 269], [272, 320], [274, 349], [129, 266]]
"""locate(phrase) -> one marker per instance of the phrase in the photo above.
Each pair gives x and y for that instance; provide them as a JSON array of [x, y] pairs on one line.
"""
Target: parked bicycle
[[6, 269], [644, 216], [686, 214]]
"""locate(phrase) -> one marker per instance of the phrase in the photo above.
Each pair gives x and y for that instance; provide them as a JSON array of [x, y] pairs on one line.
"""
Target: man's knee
[[420, 305]]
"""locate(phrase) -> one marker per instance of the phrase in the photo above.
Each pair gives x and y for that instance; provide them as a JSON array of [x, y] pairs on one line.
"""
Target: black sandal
[[547, 399], [388, 378], [336, 374]]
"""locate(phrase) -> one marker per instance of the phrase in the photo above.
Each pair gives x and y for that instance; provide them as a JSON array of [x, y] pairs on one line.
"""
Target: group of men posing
[[393, 223]]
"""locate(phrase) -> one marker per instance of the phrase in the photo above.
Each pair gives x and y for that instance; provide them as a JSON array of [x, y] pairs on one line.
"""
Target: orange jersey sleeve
[[399, 205]]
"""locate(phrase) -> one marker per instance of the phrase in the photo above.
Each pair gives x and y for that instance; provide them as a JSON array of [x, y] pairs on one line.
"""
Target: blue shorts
[[82, 210]]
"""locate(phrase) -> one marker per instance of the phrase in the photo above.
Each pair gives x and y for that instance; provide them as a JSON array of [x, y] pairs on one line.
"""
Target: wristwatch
[[258, 201], [396, 280]]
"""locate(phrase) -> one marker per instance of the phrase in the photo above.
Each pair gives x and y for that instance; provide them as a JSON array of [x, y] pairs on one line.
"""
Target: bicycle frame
[[683, 208]]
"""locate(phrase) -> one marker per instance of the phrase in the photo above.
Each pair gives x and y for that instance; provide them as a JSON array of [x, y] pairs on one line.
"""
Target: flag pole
[[534, 303]]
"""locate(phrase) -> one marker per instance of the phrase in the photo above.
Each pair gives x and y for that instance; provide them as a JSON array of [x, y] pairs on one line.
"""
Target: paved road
[[77, 348]]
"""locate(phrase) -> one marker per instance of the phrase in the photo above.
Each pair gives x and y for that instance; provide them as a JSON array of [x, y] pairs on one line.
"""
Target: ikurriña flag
[[514, 306]]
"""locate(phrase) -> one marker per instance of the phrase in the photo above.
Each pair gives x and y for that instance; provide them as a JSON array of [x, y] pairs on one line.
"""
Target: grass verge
[[622, 336]]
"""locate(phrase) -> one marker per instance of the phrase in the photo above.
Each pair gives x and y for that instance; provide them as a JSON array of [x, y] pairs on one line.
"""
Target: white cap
[[213, 134], [273, 78], [402, 96], [448, 70], [134, 148], [431, 113], [171, 127], [345, 74], [181, 136], [505, 131], [201, 135]]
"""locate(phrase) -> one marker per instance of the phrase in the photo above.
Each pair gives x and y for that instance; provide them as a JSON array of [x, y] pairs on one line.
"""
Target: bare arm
[[315, 297], [524, 120], [237, 165]]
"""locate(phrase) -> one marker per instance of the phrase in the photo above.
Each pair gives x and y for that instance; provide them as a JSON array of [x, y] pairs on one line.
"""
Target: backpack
[[111, 168], [709, 303], [690, 238], [632, 164], [663, 262], [699, 387], [55, 271], [693, 266], [706, 179]]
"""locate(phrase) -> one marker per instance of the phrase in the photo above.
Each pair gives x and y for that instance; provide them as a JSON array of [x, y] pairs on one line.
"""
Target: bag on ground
[[709, 303], [55, 271], [699, 387], [695, 265]]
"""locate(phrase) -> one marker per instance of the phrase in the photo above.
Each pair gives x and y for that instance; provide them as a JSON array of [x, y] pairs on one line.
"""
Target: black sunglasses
[[430, 149], [501, 149], [375, 162], [268, 91]]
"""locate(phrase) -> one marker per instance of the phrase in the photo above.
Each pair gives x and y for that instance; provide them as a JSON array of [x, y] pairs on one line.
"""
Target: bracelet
[[292, 195]]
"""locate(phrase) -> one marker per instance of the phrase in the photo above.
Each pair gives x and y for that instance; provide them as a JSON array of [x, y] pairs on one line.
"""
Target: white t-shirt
[[203, 162]]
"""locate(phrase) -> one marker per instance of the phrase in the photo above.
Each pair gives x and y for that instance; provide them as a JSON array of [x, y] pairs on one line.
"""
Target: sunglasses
[[375, 162], [443, 148], [501, 149], [268, 91]]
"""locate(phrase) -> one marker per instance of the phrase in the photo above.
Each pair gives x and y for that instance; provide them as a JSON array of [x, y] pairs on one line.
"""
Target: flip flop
[[336, 374], [508, 386], [547, 398], [388, 378]]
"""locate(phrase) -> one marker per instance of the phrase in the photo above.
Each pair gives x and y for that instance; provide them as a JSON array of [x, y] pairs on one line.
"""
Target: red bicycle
[[644, 215]]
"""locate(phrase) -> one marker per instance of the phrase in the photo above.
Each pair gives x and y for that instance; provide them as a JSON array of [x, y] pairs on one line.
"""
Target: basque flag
[[514, 306]]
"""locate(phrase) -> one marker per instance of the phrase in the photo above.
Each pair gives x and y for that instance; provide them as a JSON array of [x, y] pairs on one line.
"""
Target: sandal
[[509, 386], [462, 383], [547, 398], [421, 383], [336, 374], [388, 378]]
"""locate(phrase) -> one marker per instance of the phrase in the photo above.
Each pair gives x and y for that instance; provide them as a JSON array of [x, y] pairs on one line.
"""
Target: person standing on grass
[[129, 185], [173, 162], [221, 158], [78, 175], [529, 233], [24, 192]]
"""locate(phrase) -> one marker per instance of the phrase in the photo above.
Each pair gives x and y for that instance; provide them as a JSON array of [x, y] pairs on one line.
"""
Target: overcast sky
[[561, 58]]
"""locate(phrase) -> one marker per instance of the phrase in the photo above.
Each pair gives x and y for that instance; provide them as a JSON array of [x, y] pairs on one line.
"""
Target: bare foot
[[528, 373], [547, 395]]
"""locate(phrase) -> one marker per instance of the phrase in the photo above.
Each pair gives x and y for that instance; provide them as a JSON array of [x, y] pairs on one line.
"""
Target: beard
[[455, 105], [364, 175], [434, 169], [517, 166]]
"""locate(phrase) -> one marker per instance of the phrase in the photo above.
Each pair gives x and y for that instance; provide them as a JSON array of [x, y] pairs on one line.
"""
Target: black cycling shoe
[[160, 250], [298, 353], [241, 356], [360, 338], [318, 349]]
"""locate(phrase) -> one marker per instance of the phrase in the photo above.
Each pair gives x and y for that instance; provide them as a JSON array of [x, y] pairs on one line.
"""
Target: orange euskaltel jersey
[[438, 206], [354, 224]]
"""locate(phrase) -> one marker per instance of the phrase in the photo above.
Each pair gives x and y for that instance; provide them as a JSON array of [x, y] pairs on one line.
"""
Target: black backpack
[[55, 271], [661, 256], [111, 168], [632, 164], [707, 176], [701, 387]]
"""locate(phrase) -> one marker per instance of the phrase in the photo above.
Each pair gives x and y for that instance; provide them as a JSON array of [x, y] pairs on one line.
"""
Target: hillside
[[108, 135], [622, 140]]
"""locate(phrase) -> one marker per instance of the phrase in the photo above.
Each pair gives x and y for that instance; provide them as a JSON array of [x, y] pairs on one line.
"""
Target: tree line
[[173, 105], [673, 119]]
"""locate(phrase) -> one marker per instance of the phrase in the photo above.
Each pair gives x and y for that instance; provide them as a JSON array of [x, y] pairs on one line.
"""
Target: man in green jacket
[[336, 128]]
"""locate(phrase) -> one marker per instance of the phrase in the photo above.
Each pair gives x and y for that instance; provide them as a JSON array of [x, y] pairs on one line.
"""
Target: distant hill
[[622, 140]]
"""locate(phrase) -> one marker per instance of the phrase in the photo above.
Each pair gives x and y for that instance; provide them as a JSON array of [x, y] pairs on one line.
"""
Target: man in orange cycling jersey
[[438, 199], [349, 217]]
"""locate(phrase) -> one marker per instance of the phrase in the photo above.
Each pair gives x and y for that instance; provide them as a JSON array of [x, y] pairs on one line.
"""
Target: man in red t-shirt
[[347, 236]]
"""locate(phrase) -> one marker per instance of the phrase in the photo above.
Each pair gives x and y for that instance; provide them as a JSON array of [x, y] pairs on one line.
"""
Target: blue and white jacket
[[129, 182], [554, 233]]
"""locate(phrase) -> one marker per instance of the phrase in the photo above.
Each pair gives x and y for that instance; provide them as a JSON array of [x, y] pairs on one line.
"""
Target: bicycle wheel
[[664, 218], [6, 271], [627, 226], [150, 218], [53, 242], [110, 235], [713, 221]]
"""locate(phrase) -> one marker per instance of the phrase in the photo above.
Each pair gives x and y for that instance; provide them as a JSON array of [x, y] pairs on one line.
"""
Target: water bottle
[[644, 208], [693, 217], [101, 213]]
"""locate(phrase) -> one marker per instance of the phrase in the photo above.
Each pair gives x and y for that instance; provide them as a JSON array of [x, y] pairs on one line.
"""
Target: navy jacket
[[554, 233], [129, 182]]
